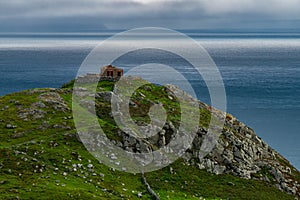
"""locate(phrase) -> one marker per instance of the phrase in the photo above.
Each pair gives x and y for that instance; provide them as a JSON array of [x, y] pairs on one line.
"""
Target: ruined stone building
[[111, 71]]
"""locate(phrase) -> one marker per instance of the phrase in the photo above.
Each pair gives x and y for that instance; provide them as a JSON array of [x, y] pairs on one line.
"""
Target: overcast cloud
[[87, 15]]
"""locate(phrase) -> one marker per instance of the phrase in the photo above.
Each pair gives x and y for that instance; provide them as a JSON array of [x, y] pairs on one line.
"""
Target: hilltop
[[42, 157]]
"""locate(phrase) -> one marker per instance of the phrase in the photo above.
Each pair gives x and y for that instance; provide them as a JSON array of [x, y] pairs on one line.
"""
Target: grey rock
[[10, 126], [90, 166], [2, 182], [54, 100], [218, 169], [106, 96]]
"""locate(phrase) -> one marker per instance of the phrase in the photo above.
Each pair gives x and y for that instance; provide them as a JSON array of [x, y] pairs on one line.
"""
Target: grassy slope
[[37, 163]]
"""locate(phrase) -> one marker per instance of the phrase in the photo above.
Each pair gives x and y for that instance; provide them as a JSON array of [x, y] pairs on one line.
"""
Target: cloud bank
[[124, 14]]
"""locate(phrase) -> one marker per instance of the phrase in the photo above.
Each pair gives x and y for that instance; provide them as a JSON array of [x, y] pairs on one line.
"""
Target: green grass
[[32, 165], [197, 183]]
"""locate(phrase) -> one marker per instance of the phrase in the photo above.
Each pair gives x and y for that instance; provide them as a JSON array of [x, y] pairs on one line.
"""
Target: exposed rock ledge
[[239, 151]]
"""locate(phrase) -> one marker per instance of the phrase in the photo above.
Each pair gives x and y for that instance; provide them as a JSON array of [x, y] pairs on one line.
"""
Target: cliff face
[[242, 153], [40, 149]]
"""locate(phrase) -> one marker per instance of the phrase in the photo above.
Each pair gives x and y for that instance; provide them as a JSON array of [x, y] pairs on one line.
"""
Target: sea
[[260, 71]]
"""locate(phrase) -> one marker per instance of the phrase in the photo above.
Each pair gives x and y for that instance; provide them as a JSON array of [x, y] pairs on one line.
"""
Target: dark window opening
[[109, 73]]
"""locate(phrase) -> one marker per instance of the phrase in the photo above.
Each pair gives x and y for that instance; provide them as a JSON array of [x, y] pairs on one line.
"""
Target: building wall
[[110, 71]]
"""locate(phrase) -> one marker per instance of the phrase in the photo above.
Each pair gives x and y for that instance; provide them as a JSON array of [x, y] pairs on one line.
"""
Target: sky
[[96, 15]]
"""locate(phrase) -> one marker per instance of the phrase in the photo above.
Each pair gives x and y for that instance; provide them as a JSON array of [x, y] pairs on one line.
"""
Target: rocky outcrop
[[54, 100], [239, 151]]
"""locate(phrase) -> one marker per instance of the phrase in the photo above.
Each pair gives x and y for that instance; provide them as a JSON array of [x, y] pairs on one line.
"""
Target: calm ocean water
[[261, 73]]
